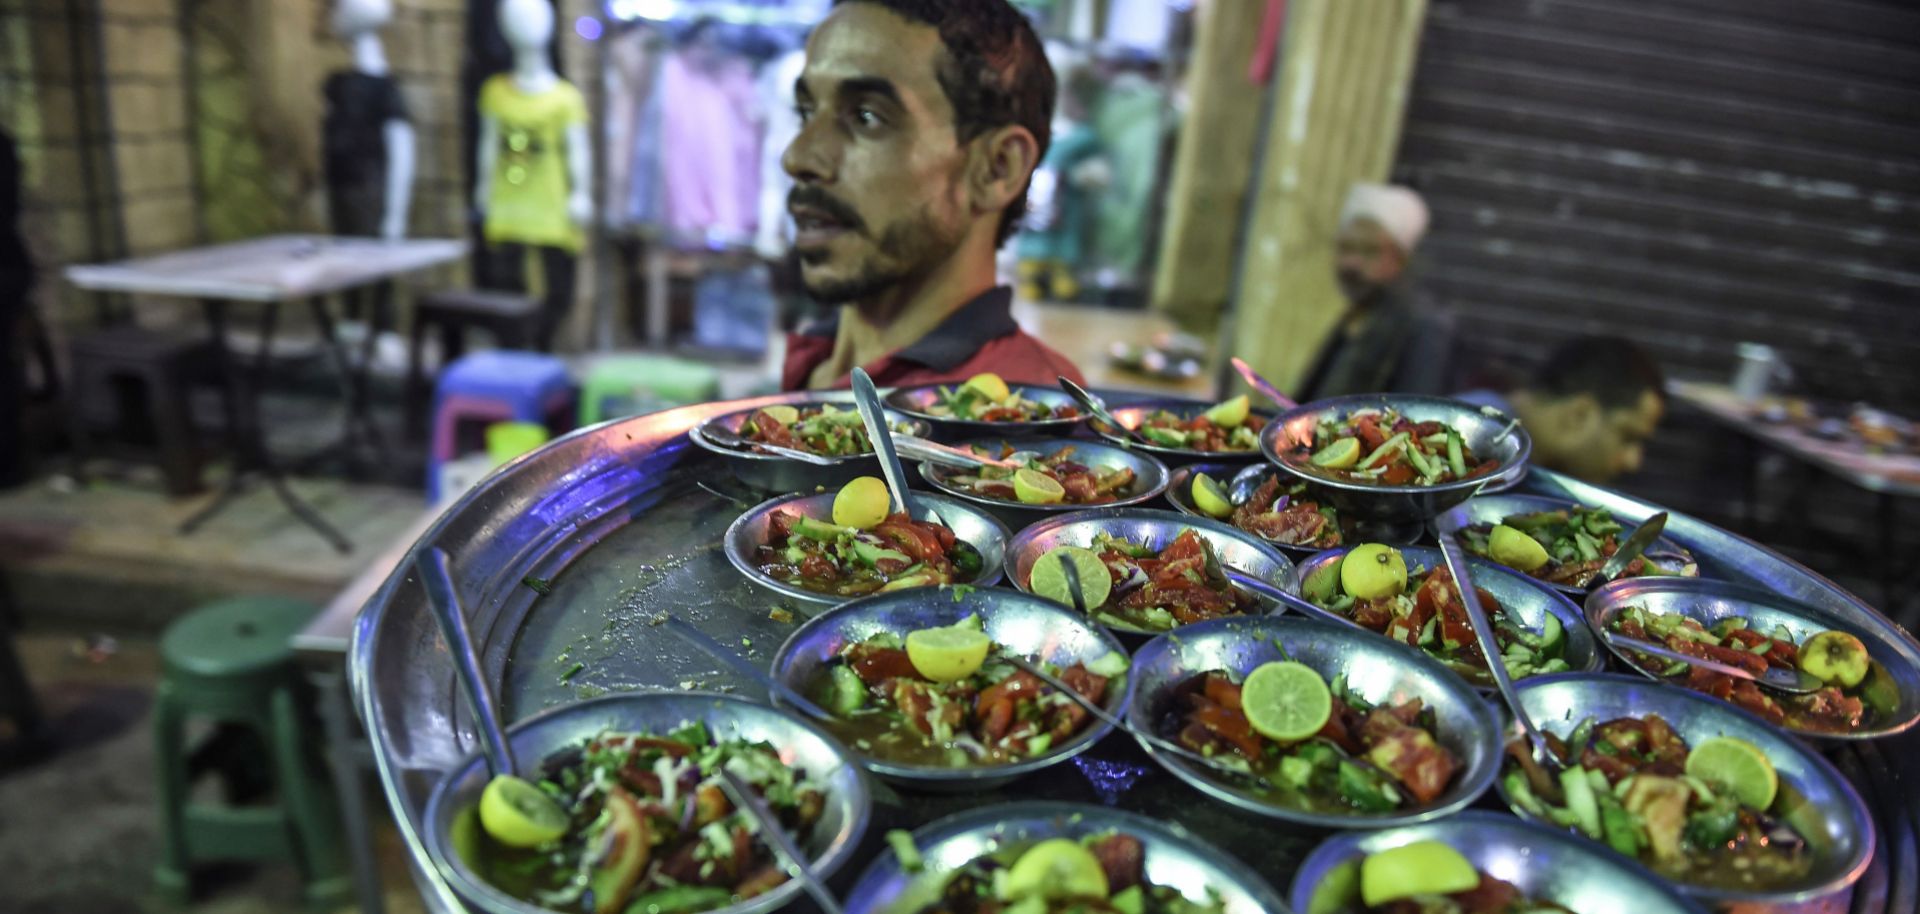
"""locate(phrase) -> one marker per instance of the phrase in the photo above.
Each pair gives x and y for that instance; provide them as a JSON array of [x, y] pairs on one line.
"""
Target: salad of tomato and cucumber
[[1382, 447], [865, 549]]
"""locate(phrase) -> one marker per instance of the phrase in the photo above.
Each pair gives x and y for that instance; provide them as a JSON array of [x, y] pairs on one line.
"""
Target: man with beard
[[921, 124], [1386, 342]]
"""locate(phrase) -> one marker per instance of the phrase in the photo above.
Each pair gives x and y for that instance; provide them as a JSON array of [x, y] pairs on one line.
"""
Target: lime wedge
[[1286, 701], [1340, 455], [862, 504], [1048, 578], [988, 385], [948, 654], [518, 814], [1228, 414], [1056, 868], [1210, 498], [785, 415], [1033, 487], [1737, 766], [1515, 549], [1420, 868]]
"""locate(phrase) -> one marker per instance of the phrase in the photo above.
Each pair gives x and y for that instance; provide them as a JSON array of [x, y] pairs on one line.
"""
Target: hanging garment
[[710, 148], [528, 196]]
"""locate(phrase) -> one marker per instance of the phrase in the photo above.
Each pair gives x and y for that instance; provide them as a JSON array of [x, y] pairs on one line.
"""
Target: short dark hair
[[995, 73], [1615, 371]]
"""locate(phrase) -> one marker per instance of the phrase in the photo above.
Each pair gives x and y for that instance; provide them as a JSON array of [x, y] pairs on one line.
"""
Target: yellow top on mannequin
[[530, 187]]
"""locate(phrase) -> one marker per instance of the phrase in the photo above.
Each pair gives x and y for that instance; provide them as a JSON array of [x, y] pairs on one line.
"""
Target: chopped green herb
[[541, 586], [572, 671]]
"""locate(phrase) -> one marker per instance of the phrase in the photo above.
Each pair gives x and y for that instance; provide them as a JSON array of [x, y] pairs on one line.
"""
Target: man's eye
[[803, 112], [867, 117]]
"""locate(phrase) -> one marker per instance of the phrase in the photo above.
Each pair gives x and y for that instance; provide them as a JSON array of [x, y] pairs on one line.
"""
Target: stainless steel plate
[[802, 744], [1288, 441], [970, 524], [1132, 416], [1827, 811], [1150, 476], [1707, 602], [916, 401], [773, 473], [1236, 549], [1543, 863], [1174, 856], [1526, 600], [1492, 509], [1381, 671], [1024, 624]]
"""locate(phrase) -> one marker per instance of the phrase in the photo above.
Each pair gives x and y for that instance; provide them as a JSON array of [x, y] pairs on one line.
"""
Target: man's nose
[[1630, 461], [811, 155]]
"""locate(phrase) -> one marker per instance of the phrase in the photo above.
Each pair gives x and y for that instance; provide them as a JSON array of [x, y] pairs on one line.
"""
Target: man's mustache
[[810, 197]]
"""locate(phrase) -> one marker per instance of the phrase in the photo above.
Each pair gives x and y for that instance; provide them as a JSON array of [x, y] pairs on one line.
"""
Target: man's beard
[[905, 252], [1359, 290]]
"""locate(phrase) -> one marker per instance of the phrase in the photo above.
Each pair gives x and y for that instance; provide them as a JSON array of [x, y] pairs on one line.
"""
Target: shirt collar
[[988, 317]]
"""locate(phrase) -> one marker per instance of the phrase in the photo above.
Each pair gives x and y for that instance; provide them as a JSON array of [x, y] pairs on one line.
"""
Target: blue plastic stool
[[494, 386]]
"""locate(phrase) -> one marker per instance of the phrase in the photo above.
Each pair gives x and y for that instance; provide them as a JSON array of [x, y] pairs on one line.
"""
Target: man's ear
[[1003, 161]]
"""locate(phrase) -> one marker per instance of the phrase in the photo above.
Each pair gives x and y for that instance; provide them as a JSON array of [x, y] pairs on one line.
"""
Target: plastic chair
[[627, 385], [512, 319], [232, 662], [489, 387], [164, 367]]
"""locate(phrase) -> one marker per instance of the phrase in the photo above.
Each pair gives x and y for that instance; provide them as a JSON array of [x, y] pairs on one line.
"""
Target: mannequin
[[529, 193], [369, 142]]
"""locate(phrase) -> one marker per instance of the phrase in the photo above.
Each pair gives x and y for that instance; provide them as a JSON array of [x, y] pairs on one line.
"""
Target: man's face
[[1366, 259], [878, 198], [1611, 442]]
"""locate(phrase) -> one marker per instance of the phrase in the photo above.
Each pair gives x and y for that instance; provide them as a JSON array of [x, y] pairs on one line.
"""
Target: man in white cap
[[1386, 341]]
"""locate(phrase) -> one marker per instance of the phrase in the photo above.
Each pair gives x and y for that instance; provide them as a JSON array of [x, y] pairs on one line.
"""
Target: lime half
[[988, 385], [1737, 766], [1286, 701], [1210, 498], [948, 654], [1340, 455], [862, 504], [1056, 868], [1420, 868], [518, 814], [1049, 577], [1033, 487]]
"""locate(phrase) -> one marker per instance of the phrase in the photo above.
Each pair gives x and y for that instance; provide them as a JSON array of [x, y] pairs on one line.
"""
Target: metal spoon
[[868, 400], [436, 575], [776, 835], [918, 448], [1255, 380], [1098, 410], [1080, 606], [741, 665], [1629, 550], [726, 437], [1297, 604], [1779, 679], [1490, 648]]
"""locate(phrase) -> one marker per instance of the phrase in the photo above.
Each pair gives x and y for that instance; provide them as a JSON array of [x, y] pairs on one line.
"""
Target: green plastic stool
[[626, 385], [232, 663]]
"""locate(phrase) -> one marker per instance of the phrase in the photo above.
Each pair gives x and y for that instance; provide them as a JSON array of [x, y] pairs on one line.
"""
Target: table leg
[[246, 434], [360, 426]]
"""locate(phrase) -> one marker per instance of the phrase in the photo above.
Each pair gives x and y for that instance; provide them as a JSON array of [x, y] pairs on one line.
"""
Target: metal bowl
[[1825, 809], [1132, 416], [1288, 441], [801, 743], [774, 473], [916, 401], [1236, 549], [1240, 481], [1027, 625], [1492, 509], [971, 524], [1544, 863], [1174, 856], [1526, 600], [1381, 671], [1707, 602], [1150, 477]]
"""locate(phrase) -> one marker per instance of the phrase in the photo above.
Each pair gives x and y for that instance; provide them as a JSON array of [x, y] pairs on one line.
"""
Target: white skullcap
[[1397, 209]]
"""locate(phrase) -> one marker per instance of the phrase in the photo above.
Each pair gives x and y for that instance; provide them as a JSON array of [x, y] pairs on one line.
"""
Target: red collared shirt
[[980, 336]]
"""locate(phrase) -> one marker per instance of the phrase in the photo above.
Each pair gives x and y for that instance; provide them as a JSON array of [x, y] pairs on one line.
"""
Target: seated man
[[1590, 408], [1388, 340], [920, 126]]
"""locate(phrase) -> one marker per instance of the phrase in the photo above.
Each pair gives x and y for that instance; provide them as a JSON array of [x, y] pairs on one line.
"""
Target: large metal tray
[[614, 517]]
